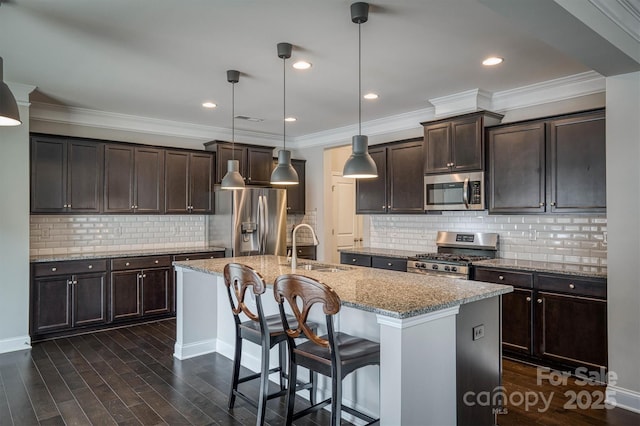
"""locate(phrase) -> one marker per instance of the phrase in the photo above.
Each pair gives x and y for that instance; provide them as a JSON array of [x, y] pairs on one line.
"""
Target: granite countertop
[[403, 254], [124, 253], [390, 293], [587, 271]]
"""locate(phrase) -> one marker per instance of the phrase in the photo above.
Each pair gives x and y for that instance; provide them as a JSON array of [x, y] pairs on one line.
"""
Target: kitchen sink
[[320, 267]]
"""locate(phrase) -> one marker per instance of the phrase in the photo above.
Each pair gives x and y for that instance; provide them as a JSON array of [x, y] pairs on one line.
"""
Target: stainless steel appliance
[[250, 221], [456, 252], [456, 191]]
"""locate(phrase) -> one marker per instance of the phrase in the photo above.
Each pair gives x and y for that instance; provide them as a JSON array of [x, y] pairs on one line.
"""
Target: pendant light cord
[[359, 78], [233, 116], [284, 103]]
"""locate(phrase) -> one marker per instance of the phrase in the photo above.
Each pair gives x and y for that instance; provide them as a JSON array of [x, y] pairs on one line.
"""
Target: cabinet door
[[517, 321], [571, 329], [118, 178], [176, 182], [406, 177], [390, 263], [371, 194], [149, 180], [259, 162], [437, 153], [225, 153], [125, 295], [296, 201], [157, 294], [355, 259], [466, 145], [84, 176], [517, 169], [89, 299], [577, 164], [51, 305], [48, 175], [201, 183]]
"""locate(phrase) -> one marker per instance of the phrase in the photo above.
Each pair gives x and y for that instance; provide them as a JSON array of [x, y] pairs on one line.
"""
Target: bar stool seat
[[265, 331], [334, 355]]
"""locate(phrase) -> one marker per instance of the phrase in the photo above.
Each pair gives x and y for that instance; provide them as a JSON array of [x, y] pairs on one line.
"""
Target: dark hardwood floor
[[128, 376], [125, 376]]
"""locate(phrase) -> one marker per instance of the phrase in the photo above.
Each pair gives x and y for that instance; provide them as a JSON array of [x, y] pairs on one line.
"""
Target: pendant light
[[9, 114], [233, 179], [284, 173], [360, 165]]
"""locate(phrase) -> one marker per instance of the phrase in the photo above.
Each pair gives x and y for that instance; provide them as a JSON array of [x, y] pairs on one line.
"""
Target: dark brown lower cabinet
[[380, 262], [66, 298], [141, 287], [554, 319]]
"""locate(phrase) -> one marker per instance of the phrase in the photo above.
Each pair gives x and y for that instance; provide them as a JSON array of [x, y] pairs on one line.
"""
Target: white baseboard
[[623, 398], [194, 349], [19, 343]]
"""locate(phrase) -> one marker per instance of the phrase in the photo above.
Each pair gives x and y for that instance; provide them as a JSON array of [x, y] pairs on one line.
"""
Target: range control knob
[[454, 269], [434, 267], [446, 268]]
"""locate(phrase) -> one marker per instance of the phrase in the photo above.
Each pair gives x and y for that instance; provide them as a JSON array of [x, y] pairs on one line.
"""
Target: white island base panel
[[416, 380]]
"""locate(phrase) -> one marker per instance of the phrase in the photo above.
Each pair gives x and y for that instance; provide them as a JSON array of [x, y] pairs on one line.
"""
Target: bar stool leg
[[313, 378], [264, 384], [236, 372], [336, 398], [291, 395], [282, 355]]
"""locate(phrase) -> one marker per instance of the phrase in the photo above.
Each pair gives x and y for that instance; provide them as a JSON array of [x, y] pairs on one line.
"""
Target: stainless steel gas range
[[456, 252]]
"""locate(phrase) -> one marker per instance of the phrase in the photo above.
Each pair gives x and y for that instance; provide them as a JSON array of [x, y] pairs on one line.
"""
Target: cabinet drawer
[[355, 259], [305, 252], [198, 256], [518, 279], [140, 262], [69, 267], [392, 263], [572, 285]]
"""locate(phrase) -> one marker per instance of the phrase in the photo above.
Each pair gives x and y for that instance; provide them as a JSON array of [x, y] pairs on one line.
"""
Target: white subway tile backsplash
[[568, 239]]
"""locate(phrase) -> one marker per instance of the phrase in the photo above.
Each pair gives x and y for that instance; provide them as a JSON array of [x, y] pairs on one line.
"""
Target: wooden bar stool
[[334, 355], [266, 331]]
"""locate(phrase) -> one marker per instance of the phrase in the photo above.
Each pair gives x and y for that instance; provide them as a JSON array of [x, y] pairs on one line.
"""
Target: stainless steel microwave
[[456, 191]]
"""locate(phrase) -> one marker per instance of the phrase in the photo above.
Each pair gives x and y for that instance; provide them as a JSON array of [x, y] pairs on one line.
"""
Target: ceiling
[[161, 59]]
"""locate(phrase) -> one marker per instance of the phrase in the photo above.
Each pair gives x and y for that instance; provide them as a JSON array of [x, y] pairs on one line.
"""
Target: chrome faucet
[[294, 255]]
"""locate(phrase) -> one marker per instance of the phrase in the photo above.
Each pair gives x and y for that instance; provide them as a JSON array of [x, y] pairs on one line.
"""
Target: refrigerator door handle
[[260, 226], [265, 228]]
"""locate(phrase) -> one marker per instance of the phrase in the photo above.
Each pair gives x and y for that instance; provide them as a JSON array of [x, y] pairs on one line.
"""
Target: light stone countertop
[[402, 254], [587, 271], [125, 253], [390, 293]]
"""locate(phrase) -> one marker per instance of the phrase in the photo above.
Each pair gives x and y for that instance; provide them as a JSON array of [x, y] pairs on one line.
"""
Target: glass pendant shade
[[284, 173], [360, 165], [9, 114], [233, 179]]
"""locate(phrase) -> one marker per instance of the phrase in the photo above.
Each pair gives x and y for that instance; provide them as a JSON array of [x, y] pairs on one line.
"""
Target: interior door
[[346, 226]]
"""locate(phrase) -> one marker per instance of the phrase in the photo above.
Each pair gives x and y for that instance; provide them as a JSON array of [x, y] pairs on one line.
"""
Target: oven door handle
[[465, 193]]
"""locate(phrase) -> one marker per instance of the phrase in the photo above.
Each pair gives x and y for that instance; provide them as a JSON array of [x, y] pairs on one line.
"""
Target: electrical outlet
[[478, 332], [45, 235], [533, 235]]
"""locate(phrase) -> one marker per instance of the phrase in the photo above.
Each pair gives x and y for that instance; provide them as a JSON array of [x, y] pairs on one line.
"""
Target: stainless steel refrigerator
[[250, 221]]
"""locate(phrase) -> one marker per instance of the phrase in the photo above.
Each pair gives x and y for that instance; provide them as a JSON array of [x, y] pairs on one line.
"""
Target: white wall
[[623, 211], [14, 235]]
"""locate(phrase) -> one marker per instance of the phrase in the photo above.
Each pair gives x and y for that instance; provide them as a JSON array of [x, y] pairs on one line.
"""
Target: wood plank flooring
[[128, 376]]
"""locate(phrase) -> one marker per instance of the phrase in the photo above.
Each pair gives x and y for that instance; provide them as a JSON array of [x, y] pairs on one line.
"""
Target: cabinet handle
[[389, 206], [186, 258], [69, 205], [299, 251], [572, 286], [384, 207], [75, 282], [389, 264], [539, 300], [54, 269], [144, 275], [157, 261], [553, 203], [501, 278], [90, 266], [127, 264], [353, 260], [528, 299], [288, 208], [69, 282], [65, 206], [541, 204]]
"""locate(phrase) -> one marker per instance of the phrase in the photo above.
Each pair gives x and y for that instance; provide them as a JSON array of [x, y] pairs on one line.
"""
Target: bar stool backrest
[[238, 278], [298, 288]]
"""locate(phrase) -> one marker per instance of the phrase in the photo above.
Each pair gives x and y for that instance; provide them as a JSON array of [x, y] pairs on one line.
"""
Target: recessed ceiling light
[[209, 105], [370, 96], [302, 65], [290, 119], [492, 60]]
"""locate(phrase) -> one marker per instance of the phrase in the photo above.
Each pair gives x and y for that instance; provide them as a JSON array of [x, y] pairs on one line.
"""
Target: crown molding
[[114, 121], [582, 84], [624, 13]]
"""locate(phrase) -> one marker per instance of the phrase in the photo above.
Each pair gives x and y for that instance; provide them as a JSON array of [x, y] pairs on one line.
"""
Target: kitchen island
[[412, 316]]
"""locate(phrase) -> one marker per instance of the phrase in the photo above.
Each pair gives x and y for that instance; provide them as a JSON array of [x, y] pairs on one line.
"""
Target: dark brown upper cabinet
[[255, 161], [134, 179], [456, 144], [555, 165], [398, 187], [188, 182], [66, 175], [296, 198]]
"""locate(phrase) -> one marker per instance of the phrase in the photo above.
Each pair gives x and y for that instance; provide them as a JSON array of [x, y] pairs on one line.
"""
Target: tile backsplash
[[550, 238], [69, 234]]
